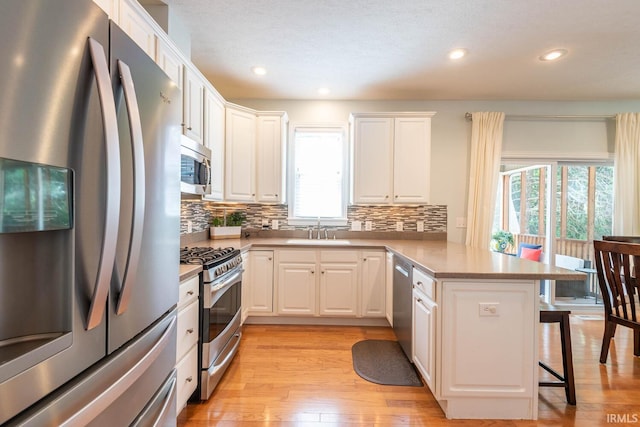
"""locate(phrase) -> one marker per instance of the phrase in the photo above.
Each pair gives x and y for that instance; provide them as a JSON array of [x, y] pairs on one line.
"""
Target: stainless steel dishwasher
[[402, 303]]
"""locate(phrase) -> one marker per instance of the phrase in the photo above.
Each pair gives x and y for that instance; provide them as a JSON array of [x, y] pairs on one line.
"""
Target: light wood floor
[[303, 376]]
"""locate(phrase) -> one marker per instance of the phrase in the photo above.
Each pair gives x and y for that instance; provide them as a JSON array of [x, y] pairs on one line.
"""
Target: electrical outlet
[[356, 226], [399, 226], [189, 226], [368, 225], [275, 224], [489, 309], [461, 222], [420, 226]]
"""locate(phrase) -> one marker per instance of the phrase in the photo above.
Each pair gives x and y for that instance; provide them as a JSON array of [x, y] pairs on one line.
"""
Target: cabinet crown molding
[[421, 114]]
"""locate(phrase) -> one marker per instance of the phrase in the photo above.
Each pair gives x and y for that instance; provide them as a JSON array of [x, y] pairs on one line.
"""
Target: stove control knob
[[218, 271]]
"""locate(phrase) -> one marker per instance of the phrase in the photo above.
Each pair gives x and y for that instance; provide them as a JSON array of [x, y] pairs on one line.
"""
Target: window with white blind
[[318, 178]]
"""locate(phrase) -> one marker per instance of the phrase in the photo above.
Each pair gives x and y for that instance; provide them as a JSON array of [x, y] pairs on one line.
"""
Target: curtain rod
[[469, 116]]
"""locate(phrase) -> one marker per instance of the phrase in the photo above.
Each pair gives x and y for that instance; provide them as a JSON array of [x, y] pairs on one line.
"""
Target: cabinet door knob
[[190, 330], [276, 195], [386, 197], [322, 272], [396, 196], [364, 259], [269, 258], [189, 292], [313, 272], [189, 379]]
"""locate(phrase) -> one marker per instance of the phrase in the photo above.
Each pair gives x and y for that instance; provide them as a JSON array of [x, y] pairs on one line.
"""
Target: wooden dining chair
[[619, 288]]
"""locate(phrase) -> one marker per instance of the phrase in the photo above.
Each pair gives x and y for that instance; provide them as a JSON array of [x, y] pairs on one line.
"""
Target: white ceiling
[[397, 49]]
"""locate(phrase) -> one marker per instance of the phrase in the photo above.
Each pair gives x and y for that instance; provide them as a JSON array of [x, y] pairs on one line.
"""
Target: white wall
[[451, 134]]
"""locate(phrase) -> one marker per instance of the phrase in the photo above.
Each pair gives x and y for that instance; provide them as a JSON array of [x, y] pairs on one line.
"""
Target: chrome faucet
[[318, 228]]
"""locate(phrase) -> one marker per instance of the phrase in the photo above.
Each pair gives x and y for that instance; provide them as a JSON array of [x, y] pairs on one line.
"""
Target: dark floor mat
[[383, 362]]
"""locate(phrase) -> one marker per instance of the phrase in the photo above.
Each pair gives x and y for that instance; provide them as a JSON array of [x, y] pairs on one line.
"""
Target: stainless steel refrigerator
[[89, 221]]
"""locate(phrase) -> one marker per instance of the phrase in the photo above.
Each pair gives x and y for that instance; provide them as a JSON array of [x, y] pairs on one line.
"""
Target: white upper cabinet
[[240, 154], [169, 60], [373, 160], [214, 132], [192, 113], [111, 7], [411, 159], [270, 157], [138, 25], [391, 161]]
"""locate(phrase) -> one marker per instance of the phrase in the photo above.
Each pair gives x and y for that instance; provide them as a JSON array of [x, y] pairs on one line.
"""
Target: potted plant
[[227, 226], [500, 240]]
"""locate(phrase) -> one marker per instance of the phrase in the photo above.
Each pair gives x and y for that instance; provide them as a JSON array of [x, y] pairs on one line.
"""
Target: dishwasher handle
[[402, 270]]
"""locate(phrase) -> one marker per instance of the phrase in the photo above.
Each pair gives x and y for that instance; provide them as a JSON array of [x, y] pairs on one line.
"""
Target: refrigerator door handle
[[112, 209], [135, 129], [107, 397]]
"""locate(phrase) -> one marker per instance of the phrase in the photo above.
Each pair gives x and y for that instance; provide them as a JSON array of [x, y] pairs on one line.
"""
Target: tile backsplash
[[383, 218]]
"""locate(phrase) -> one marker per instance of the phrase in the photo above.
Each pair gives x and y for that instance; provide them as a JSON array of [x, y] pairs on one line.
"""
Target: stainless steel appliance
[[89, 221], [402, 303], [220, 312], [195, 167]]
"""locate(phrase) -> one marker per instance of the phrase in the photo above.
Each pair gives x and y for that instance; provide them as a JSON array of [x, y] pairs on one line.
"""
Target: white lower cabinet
[[373, 284], [297, 288], [339, 289], [260, 283], [187, 341], [331, 282], [424, 337], [246, 285], [389, 288]]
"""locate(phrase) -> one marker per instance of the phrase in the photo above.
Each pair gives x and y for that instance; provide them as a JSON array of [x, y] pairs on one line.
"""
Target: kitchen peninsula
[[480, 349]]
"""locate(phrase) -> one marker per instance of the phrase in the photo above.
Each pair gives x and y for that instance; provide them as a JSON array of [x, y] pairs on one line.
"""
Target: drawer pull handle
[[189, 292], [190, 330], [189, 379]]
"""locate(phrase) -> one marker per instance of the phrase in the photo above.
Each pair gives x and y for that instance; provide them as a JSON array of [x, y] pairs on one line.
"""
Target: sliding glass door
[[564, 222]]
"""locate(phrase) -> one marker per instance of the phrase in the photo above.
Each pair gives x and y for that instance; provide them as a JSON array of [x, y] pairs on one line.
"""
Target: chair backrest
[[618, 283]]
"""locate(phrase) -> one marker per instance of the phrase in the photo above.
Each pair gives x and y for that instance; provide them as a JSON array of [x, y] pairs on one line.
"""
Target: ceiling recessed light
[[323, 91], [554, 54], [259, 71], [457, 53]]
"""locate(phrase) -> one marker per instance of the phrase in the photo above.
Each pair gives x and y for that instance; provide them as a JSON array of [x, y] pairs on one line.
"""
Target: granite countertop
[[441, 259]]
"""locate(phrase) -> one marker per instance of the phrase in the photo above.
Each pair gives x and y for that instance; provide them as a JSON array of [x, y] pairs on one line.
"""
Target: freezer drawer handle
[[115, 390], [135, 129], [169, 391], [166, 406], [112, 209]]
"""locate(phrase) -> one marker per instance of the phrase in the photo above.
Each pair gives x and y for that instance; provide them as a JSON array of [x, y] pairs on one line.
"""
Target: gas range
[[215, 262]]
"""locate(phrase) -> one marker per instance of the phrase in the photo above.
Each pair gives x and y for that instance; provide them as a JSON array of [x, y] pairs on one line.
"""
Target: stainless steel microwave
[[195, 167]]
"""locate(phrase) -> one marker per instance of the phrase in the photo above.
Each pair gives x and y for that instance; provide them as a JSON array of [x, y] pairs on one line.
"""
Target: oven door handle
[[219, 289]]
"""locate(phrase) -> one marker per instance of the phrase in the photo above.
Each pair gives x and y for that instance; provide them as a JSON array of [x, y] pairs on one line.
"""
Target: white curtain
[[486, 148], [626, 210]]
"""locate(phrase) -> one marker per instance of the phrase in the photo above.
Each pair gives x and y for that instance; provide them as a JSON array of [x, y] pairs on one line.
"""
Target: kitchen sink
[[327, 242]]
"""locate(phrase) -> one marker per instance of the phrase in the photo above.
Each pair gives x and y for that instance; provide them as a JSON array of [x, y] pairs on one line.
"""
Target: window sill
[[313, 222]]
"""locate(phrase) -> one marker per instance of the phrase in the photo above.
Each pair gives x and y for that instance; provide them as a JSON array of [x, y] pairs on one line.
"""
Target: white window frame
[[317, 127]]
